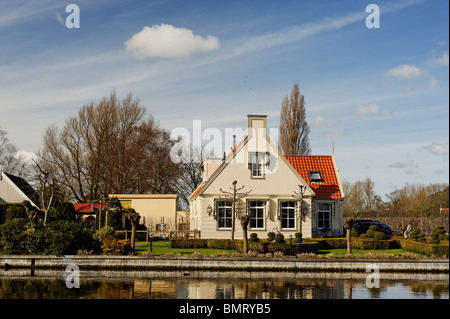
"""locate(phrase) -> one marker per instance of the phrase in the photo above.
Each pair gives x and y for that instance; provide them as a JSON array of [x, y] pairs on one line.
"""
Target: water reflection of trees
[[220, 288]]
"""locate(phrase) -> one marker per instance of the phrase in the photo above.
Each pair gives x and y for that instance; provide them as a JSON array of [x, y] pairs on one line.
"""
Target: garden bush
[[259, 247], [15, 211], [226, 244], [62, 211], [439, 234], [116, 247], [59, 237], [253, 237], [279, 238], [188, 243], [298, 238], [424, 248], [13, 236], [270, 236]]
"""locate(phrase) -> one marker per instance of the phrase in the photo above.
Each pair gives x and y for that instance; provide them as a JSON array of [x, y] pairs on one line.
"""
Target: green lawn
[[159, 248]]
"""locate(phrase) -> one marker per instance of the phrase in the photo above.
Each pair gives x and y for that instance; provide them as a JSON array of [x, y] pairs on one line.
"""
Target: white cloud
[[372, 110], [438, 148], [404, 72], [167, 41], [441, 61]]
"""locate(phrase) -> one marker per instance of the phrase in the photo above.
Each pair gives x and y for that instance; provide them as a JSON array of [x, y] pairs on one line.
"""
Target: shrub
[[104, 233], [15, 211], [379, 235], [434, 238], [424, 248], [270, 236], [63, 211], [188, 243], [279, 238], [60, 237], [116, 247], [226, 244], [298, 238], [13, 235], [414, 234], [253, 237], [65, 237]]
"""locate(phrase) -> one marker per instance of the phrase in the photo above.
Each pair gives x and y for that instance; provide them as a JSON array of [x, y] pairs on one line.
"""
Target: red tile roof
[[329, 187], [87, 207]]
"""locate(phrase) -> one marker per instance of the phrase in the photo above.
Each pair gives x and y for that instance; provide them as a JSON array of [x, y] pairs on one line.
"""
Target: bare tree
[[47, 181], [10, 160], [108, 148], [189, 173], [294, 129], [235, 193]]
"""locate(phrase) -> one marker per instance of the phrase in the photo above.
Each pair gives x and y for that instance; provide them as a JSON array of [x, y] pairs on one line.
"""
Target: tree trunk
[[133, 237], [349, 242], [134, 220], [245, 219], [348, 225]]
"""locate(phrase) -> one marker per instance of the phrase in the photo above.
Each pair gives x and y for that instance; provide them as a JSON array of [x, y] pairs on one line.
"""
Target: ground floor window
[[224, 211], [324, 216], [287, 214], [256, 210]]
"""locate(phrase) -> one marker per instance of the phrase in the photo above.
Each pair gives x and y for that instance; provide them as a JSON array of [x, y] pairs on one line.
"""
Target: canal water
[[51, 284]]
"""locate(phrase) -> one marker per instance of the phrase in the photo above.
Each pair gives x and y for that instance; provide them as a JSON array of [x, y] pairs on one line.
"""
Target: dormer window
[[257, 169], [256, 163], [315, 177]]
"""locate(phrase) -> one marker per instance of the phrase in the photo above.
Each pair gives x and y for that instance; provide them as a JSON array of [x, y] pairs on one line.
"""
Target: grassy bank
[[159, 248]]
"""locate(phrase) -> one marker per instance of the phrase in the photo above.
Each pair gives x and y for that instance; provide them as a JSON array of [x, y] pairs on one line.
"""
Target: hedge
[[424, 248], [188, 243], [365, 244], [260, 247]]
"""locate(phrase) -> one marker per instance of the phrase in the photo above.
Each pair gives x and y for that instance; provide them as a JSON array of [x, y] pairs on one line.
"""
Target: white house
[[281, 193]]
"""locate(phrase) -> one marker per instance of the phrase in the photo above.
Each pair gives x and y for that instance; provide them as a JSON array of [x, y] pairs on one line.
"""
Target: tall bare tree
[[10, 160], [109, 147], [294, 129]]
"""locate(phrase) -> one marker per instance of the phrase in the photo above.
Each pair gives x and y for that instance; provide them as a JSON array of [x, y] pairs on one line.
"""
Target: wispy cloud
[[408, 164], [372, 110], [438, 148], [60, 19]]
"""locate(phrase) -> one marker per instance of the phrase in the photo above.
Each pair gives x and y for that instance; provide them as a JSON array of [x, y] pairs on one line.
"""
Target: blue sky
[[381, 95]]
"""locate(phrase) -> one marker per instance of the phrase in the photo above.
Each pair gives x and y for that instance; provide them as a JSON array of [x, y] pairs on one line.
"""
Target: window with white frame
[[256, 164], [256, 210], [324, 216], [287, 214], [224, 211]]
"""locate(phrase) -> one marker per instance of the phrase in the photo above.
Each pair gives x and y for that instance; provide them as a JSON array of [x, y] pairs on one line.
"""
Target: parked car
[[362, 225]]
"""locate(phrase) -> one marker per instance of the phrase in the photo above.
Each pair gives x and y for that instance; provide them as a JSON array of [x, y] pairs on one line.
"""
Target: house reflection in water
[[203, 289]]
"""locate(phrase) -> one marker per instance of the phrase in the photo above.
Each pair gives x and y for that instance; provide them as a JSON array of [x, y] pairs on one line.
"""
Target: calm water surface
[[218, 285]]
